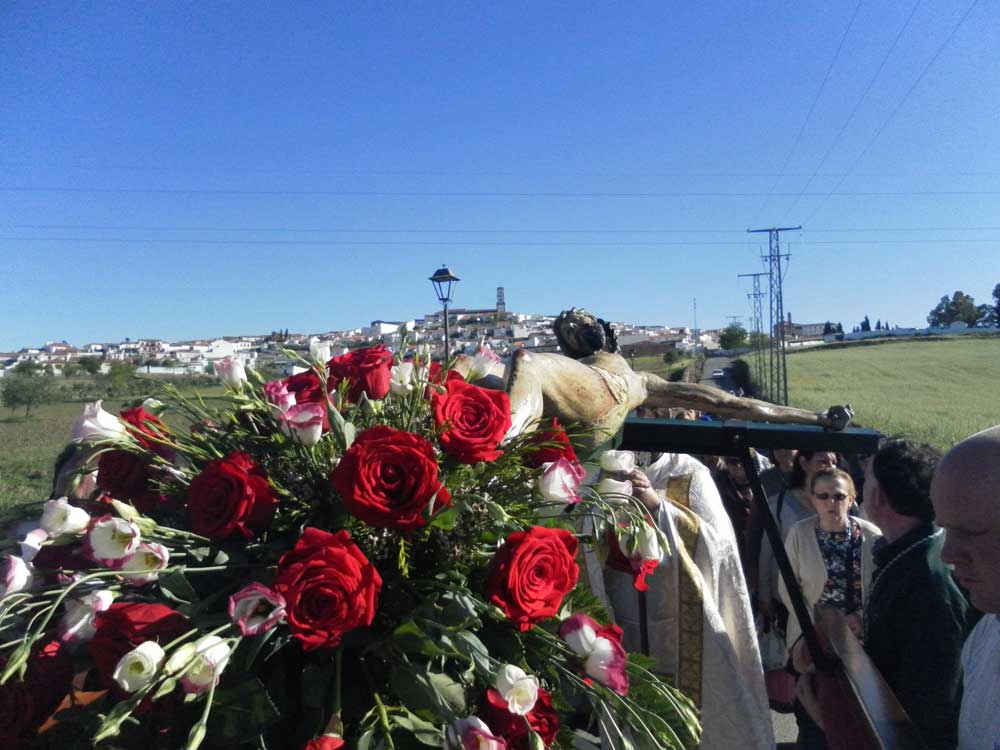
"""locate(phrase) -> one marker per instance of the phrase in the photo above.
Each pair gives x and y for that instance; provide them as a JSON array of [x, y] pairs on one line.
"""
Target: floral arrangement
[[356, 556]]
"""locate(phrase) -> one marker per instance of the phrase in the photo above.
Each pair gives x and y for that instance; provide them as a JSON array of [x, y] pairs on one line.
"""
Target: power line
[[899, 104], [812, 107], [857, 106], [492, 193]]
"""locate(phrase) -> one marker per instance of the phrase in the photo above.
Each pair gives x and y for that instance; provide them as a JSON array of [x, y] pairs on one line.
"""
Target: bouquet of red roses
[[356, 556]]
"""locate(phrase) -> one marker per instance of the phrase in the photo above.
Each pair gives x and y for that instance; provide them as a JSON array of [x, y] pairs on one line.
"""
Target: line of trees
[[961, 307]]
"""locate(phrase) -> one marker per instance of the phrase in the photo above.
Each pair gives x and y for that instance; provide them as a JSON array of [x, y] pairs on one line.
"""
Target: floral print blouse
[[841, 551]]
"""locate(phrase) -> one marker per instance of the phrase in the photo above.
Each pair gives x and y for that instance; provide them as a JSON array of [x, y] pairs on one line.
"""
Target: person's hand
[[643, 490]]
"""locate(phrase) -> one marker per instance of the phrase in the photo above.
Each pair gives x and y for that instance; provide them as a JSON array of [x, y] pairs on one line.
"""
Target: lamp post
[[442, 280]]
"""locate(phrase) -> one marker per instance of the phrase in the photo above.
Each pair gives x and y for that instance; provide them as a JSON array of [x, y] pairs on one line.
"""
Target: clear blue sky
[[197, 169]]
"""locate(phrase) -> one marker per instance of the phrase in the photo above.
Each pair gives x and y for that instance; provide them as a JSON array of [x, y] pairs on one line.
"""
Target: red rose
[[231, 495], [387, 478], [25, 706], [147, 429], [124, 625], [543, 718], [330, 588], [306, 387], [126, 476], [475, 420], [531, 573], [325, 742], [368, 370], [549, 445]]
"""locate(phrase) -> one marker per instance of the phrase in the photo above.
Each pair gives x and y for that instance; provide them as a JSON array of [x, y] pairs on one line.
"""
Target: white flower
[[17, 576], [402, 378], [319, 350], [560, 481], [79, 621], [152, 405], [618, 462], [97, 424], [139, 666], [644, 544], [210, 654], [31, 545], [59, 517], [608, 487], [518, 688], [110, 540], [580, 634], [147, 556], [230, 371], [483, 363]]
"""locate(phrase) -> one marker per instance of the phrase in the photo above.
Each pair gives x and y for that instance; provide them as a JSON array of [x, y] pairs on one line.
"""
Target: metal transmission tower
[[757, 308], [776, 365]]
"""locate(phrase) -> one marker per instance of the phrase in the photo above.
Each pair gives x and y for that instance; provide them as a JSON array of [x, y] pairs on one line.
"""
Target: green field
[[28, 447], [937, 392]]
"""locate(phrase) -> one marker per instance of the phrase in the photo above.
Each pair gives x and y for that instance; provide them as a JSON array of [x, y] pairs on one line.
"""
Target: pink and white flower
[[110, 540], [230, 371], [139, 666], [59, 517], [305, 421], [16, 575], [560, 481], [255, 609], [96, 424], [600, 650], [31, 545], [518, 688], [277, 393], [78, 623], [148, 556], [201, 662], [483, 363], [472, 733]]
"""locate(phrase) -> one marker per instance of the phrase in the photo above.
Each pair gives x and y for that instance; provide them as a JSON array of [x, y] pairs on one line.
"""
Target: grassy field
[[937, 392], [28, 447]]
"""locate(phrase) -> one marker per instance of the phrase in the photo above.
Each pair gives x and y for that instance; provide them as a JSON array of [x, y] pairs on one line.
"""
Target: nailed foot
[[838, 417]]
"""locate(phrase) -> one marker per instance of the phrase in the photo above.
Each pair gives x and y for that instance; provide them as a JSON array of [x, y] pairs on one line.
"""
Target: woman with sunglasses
[[831, 557]]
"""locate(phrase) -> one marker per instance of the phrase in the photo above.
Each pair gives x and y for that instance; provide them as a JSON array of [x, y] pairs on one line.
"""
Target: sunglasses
[[836, 496]]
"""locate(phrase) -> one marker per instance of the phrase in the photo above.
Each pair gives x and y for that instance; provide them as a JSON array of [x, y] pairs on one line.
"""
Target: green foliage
[[733, 337], [25, 391], [960, 308], [759, 340], [91, 365]]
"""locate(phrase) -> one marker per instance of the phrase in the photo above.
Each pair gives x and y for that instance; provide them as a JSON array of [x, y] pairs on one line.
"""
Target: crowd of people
[[905, 544]]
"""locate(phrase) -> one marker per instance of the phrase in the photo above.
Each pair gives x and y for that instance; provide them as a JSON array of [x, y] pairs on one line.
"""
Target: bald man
[[966, 496]]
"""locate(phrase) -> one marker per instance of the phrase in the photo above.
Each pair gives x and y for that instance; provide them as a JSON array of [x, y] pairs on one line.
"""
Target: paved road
[[718, 363]]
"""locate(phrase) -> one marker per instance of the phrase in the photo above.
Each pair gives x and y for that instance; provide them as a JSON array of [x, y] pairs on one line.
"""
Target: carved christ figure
[[593, 386]]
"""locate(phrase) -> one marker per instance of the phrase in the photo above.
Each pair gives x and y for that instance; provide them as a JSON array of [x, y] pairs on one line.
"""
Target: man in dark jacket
[[916, 619]]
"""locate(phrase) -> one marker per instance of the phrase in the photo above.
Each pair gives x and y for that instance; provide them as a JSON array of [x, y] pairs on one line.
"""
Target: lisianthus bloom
[[31, 545], [516, 730], [124, 624], [256, 609], [402, 378], [149, 557], [638, 553], [518, 688], [471, 733], [230, 371], [97, 424], [618, 462], [306, 421], [17, 575], [139, 666], [109, 540], [600, 648], [560, 481], [611, 489], [319, 350], [200, 663], [484, 361], [59, 517], [277, 392], [79, 622]]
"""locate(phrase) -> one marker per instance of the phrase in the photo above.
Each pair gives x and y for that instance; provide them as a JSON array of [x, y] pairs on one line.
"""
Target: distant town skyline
[[176, 171]]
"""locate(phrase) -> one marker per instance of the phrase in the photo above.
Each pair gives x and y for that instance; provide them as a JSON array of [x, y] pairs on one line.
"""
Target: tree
[[759, 340], [26, 390], [733, 337], [987, 315], [840, 328], [92, 365], [866, 325], [827, 328], [996, 300], [960, 308]]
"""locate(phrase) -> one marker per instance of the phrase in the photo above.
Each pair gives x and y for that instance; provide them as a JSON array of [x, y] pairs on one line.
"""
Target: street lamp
[[442, 280]]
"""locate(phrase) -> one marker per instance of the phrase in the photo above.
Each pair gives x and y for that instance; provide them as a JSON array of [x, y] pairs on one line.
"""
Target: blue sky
[[198, 169]]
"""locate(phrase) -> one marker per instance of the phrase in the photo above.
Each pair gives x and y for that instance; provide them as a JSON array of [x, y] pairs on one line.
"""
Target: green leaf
[[241, 711], [176, 586], [424, 732], [446, 520], [469, 645], [412, 639], [431, 695]]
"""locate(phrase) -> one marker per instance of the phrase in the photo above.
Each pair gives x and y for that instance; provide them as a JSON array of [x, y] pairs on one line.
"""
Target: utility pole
[[734, 319], [757, 310], [777, 365]]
